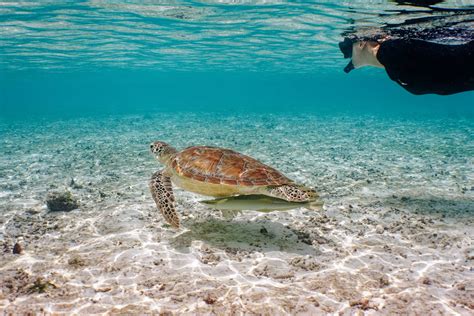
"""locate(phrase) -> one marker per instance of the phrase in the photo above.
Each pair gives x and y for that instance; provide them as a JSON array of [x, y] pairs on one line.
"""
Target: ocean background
[[86, 86]]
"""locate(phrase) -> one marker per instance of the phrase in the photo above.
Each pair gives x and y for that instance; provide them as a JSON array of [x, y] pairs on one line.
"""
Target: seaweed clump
[[61, 202], [41, 286]]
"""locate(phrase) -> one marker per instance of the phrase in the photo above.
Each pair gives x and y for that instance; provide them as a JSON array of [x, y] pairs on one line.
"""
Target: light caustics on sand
[[395, 233]]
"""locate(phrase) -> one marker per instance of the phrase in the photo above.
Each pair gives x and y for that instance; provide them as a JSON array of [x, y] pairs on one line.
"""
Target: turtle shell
[[224, 166]]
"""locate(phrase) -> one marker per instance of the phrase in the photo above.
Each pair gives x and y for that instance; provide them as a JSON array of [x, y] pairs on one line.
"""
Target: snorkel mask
[[346, 49]]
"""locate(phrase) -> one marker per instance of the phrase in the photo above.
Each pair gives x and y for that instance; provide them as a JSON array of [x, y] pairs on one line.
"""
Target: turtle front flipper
[[162, 192]]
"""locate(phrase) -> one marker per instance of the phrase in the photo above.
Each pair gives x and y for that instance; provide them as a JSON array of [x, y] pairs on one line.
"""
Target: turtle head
[[162, 151]]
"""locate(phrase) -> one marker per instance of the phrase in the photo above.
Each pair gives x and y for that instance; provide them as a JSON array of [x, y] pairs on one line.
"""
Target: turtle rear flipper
[[162, 192], [315, 205], [291, 193]]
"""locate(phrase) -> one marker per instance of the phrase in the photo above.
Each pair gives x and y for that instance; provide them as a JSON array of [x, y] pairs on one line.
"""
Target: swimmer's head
[[363, 53]]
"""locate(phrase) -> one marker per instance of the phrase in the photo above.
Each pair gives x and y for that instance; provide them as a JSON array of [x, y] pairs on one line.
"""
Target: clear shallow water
[[86, 86], [34, 95]]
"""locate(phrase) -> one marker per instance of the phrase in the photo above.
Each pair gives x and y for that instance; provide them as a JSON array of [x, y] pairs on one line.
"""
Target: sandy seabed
[[395, 234]]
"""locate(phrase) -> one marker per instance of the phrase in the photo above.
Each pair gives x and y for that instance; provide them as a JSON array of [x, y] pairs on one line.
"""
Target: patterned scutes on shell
[[224, 166]]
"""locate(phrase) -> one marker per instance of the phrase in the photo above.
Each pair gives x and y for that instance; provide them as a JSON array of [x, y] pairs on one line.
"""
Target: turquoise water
[[111, 57], [85, 86]]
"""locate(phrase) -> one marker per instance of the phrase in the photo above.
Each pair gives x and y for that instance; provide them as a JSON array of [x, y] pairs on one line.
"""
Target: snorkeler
[[418, 66]]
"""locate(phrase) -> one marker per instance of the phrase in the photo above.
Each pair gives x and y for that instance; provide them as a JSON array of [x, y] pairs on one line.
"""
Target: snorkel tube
[[349, 67]]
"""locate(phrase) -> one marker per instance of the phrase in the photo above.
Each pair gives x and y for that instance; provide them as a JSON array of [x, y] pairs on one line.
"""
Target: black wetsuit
[[424, 67]]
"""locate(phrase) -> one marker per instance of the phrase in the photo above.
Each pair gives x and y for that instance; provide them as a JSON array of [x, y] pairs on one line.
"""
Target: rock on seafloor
[[61, 201], [17, 249]]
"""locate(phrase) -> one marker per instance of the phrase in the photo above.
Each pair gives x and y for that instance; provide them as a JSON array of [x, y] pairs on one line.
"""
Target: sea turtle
[[217, 172]]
